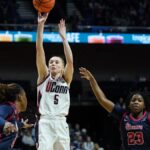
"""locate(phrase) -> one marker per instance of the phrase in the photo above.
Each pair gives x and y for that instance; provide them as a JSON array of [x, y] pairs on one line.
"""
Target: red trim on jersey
[[134, 119], [43, 80], [14, 141], [15, 112]]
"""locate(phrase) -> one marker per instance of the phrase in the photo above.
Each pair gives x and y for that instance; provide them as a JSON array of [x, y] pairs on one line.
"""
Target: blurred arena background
[[119, 68]]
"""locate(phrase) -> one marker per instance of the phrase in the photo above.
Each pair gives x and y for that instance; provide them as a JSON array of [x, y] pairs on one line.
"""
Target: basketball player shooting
[[53, 91]]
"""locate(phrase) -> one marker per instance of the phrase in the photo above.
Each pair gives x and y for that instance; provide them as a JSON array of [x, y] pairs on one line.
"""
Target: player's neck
[[55, 77], [138, 115]]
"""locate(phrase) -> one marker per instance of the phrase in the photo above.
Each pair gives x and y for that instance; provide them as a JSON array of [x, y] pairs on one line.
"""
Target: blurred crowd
[[92, 13], [114, 13], [8, 12], [81, 140]]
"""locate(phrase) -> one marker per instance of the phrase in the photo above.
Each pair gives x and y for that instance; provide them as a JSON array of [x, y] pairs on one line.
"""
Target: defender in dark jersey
[[134, 122], [13, 100]]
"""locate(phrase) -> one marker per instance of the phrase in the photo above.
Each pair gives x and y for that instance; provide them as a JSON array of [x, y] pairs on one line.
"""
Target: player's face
[[136, 104], [56, 65]]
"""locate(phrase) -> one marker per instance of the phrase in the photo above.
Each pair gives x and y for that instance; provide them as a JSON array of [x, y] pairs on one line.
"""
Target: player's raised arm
[[69, 69], [40, 54], [104, 102]]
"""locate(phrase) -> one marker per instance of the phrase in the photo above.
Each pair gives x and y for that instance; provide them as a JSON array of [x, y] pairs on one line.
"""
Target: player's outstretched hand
[[62, 29], [9, 128], [26, 124], [42, 17], [86, 74]]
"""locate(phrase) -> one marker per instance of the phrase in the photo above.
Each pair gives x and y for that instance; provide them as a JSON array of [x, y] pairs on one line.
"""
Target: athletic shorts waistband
[[53, 117]]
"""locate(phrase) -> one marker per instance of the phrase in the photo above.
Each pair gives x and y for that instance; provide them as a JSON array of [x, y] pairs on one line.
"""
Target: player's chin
[[136, 110]]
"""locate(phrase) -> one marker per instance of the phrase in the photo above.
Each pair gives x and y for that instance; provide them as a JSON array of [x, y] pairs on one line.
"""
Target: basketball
[[43, 6]]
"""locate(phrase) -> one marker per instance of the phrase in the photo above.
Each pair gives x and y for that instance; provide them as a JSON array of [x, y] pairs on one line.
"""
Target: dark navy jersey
[[8, 113], [135, 133]]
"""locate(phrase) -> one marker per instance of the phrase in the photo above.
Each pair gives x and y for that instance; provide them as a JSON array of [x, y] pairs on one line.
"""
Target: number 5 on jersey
[[56, 98]]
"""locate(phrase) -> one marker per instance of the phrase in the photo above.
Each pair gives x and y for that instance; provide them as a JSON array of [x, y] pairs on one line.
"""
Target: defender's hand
[[9, 128], [62, 29]]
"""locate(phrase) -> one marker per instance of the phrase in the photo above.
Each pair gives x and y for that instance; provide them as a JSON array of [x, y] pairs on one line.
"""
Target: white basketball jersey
[[53, 97]]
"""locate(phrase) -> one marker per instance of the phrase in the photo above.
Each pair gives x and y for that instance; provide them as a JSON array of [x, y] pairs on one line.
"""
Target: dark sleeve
[[117, 112], [20, 124], [5, 111]]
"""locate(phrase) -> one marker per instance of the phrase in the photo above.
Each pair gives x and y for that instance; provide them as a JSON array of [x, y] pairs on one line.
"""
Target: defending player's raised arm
[[40, 54], [104, 102], [69, 69]]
